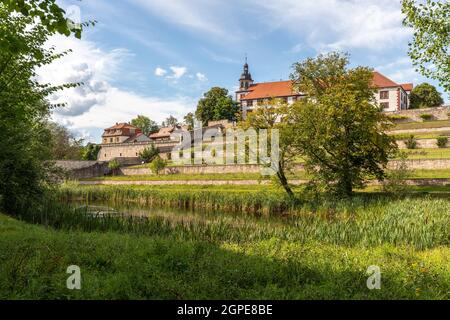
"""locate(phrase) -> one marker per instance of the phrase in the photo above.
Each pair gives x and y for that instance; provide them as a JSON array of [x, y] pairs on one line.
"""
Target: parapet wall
[[439, 113]]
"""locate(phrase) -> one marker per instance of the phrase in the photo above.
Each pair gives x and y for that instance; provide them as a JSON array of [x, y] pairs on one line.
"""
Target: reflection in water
[[101, 208]]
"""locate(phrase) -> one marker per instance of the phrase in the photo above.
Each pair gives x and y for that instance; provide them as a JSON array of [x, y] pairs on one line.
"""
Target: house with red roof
[[390, 95], [123, 133]]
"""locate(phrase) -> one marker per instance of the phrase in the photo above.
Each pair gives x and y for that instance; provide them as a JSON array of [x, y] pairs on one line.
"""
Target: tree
[[144, 123], [63, 143], [339, 130], [90, 152], [114, 166], [189, 120], [25, 172], [157, 165], [51, 16], [273, 115], [148, 154], [171, 121], [425, 96], [216, 105], [429, 49]]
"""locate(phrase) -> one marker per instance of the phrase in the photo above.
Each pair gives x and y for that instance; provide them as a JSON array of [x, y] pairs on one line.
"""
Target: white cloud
[[338, 24], [177, 72], [201, 77], [98, 103], [160, 72]]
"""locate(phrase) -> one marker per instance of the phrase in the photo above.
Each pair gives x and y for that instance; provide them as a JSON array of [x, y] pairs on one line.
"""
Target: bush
[[426, 117], [396, 177], [411, 142], [398, 118], [442, 142], [148, 154], [114, 165], [157, 165]]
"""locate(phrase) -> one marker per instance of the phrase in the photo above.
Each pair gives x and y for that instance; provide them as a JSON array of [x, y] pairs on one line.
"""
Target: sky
[[157, 58]]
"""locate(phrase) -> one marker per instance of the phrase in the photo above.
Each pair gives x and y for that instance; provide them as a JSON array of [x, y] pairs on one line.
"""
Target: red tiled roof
[[162, 133], [382, 81], [407, 86], [122, 126], [270, 90]]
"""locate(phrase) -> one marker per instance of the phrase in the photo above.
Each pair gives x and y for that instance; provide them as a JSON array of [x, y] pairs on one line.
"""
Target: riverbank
[[127, 265]]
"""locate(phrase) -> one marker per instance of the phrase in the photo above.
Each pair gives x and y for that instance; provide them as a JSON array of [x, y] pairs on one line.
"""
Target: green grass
[[123, 266], [301, 175], [428, 153], [422, 135], [320, 252], [422, 125], [190, 177]]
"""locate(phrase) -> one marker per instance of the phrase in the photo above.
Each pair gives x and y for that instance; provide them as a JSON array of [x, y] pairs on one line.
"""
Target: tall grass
[[421, 223]]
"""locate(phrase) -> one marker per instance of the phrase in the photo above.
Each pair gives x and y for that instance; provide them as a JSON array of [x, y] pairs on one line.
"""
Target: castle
[[125, 141]]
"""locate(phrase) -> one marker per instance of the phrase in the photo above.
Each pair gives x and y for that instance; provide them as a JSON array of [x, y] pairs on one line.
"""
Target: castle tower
[[245, 82]]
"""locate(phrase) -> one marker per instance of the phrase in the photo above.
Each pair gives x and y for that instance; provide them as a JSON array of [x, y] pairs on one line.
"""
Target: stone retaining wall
[[218, 169], [439, 113]]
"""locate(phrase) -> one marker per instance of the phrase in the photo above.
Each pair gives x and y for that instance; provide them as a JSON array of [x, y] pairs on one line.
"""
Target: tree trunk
[[283, 180]]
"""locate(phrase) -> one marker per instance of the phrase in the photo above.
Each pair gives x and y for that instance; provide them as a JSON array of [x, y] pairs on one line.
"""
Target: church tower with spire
[[244, 82]]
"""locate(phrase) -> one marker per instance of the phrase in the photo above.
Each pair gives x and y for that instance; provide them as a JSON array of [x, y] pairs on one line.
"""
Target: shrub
[[114, 165], [397, 118], [148, 154], [396, 177], [426, 116], [157, 165], [442, 142], [411, 142]]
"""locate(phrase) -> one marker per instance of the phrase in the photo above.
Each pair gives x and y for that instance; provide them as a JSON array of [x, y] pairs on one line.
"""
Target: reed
[[420, 223]]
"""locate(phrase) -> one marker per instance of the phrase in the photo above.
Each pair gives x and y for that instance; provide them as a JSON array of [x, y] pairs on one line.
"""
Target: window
[[111, 140], [117, 139], [384, 95], [384, 105]]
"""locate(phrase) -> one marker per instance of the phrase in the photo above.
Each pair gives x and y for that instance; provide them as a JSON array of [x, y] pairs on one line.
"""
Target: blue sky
[[157, 58]]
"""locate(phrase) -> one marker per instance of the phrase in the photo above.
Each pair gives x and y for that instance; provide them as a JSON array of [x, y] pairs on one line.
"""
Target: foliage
[[411, 142], [338, 129], [146, 125], [64, 144], [429, 49], [272, 115], [163, 265], [90, 152], [442, 142], [425, 96], [426, 116], [114, 165], [171, 121], [148, 154], [157, 165], [25, 171], [189, 120], [397, 118], [50, 14], [396, 177], [215, 105]]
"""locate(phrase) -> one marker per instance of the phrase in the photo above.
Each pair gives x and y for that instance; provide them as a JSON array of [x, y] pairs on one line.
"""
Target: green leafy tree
[[339, 131], [25, 172], [114, 166], [425, 96], [64, 144], [90, 152], [50, 14], [429, 49], [157, 165], [148, 154], [171, 121], [144, 123], [215, 105], [189, 120], [273, 115]]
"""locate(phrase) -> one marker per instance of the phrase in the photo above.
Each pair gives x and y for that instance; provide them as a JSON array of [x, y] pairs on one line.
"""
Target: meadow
[[226, 243]]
